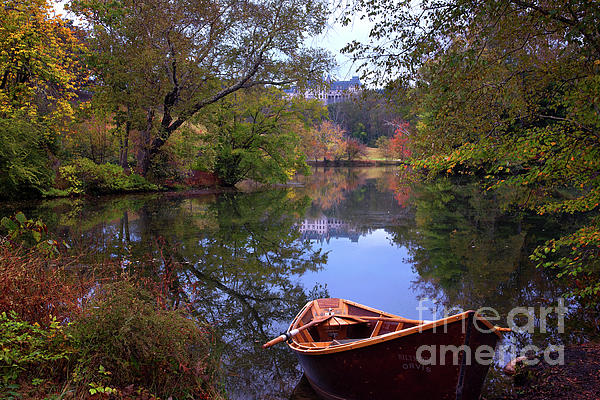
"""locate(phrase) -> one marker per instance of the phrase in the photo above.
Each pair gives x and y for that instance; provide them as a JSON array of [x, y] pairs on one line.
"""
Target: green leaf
[[37, 381], [9, 224], [21, 218]]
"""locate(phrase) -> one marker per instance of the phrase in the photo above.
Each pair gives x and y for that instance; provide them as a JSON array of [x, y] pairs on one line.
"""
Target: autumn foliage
[[354, 149], [398, 146], [399, 143], [39, 67], [39, 75], [329, 142], [37, 287]]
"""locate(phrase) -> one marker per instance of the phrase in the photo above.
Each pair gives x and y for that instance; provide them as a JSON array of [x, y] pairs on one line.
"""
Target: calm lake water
[[247, 262]]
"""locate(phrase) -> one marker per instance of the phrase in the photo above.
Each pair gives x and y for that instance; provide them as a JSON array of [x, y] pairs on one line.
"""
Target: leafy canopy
[[167, 60]]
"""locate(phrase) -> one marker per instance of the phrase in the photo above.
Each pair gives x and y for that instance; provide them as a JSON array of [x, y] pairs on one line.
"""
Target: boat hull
[[390, 370]]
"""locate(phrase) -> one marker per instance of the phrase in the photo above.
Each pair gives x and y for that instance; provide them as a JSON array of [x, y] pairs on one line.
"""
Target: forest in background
[[135, 97]]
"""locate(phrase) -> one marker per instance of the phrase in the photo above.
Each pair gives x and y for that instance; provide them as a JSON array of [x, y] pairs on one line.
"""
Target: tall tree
[[331, 139], [255, 135], [181, 56], [39, 72]]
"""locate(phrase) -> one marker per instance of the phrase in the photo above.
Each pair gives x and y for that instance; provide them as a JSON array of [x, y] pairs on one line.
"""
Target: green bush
[[164, 167], [26, 347], [23, 159], [29, 233], [129, 336], [83, 175]]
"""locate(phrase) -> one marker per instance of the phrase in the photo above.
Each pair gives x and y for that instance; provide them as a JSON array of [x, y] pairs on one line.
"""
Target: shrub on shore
[[83, 175], [33, 280], [31, 353], [128, 334]]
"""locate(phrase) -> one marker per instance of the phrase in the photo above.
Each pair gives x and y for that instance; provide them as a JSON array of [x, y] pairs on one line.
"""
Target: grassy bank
[[372, 158]]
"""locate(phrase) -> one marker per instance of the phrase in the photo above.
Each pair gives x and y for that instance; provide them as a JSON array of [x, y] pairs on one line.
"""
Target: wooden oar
[[290, 334]]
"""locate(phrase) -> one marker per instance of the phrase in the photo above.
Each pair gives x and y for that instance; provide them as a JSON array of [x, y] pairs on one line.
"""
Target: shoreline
[[354, 163], [212, 188]]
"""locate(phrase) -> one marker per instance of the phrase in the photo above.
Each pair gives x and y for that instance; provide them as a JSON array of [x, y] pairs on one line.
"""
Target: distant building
[[323, 228], [337, 92]]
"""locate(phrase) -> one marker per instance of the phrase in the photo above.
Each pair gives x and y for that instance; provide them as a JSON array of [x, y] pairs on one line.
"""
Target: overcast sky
[[336, 37]]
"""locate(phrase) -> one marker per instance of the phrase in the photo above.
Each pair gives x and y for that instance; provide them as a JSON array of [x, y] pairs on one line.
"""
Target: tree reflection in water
[[234, 259], [237, 259], [470, 250], [240, 276]]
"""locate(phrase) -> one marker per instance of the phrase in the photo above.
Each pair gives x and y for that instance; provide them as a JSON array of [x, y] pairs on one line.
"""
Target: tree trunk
[[124, 151], [143, 154]]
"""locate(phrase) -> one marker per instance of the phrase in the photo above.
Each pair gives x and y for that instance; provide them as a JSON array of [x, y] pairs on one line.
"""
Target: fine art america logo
[[519, 320]]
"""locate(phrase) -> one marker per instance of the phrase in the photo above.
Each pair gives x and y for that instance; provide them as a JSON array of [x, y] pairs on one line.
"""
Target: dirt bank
[[577, 379]]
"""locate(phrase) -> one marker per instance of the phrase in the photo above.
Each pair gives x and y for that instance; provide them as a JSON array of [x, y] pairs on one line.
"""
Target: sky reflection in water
[[371, 271]]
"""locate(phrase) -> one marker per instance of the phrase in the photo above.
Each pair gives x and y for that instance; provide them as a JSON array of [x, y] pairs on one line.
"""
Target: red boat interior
[[344, 322]]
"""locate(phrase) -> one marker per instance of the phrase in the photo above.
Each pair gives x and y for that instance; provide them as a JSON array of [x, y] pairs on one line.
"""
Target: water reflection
[[470, 251], [324, 228], [243, 271], [235, 259], [351, 220], [248, 262]]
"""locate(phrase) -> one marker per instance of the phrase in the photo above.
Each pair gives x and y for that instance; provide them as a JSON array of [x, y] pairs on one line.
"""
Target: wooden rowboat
[[351, 351]]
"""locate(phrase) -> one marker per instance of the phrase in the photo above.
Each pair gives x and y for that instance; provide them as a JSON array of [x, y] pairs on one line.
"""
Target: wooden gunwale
[[326, 348]]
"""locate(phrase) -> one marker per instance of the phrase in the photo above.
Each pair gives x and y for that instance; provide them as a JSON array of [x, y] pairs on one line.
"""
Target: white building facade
[[335, 91]]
